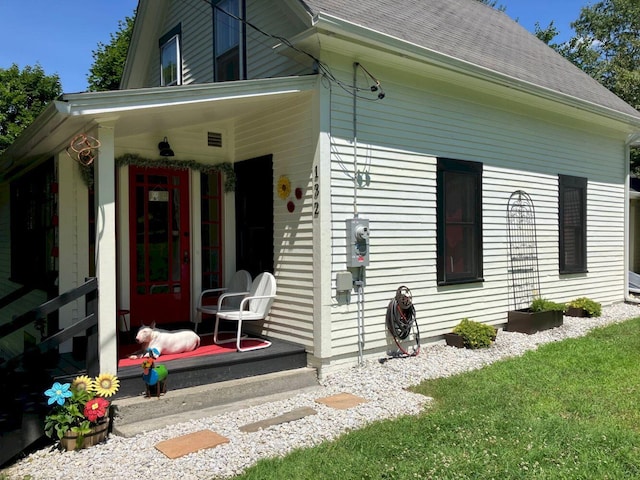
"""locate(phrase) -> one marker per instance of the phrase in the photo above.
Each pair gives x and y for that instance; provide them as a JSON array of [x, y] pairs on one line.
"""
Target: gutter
[[633, 140]]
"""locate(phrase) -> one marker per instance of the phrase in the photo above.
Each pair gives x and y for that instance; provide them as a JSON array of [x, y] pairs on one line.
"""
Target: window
[[211, 221], [228, 35], [170, 62], [34, 211], [459, 217], [572, 213]]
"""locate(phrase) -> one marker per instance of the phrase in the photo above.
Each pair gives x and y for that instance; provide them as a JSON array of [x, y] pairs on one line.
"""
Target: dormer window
[[229, 43], [170, 61]]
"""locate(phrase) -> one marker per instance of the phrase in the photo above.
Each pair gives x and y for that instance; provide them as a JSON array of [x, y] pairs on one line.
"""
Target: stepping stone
[[342, 401], [296, 414], [192, 442]]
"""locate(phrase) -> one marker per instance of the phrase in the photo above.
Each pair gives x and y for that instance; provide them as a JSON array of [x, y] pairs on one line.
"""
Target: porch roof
[[138, 110]]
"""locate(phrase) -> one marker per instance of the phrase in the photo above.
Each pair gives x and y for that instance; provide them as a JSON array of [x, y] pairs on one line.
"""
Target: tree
[[23, 96], [108, 65], [547, 34], [607, 47], [493, 4]]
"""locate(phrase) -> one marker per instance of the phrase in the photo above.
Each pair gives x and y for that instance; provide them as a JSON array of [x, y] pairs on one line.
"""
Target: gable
[[477, 35]]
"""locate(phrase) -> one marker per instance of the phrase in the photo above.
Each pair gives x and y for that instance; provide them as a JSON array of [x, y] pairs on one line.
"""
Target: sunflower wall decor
[[284, 187]]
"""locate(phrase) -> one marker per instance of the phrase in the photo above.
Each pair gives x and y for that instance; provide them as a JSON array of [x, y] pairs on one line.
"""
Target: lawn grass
[[570, 410]]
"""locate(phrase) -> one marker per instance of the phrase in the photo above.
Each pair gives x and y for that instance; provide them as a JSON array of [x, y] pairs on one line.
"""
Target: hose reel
[[401, 321]]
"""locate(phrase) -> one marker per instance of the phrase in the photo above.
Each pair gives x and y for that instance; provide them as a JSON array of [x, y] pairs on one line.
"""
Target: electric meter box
[[357, 242]]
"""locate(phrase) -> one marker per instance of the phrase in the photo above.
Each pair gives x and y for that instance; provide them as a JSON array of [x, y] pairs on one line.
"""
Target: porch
[[29, 374]]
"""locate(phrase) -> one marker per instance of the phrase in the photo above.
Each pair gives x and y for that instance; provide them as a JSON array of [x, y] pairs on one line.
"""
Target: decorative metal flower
[[58, 393], [284, 187], [83, 382], [96, 408], [106, 384]]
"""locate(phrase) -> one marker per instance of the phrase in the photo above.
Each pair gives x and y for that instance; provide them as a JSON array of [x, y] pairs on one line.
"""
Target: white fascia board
[[100, 103], [338, 27]]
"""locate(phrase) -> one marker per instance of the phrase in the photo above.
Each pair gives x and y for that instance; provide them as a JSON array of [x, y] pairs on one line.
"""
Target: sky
[[61, 35]]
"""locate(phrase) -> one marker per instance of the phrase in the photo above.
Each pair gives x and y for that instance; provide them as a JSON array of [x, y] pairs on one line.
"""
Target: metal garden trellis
[[523, 249]]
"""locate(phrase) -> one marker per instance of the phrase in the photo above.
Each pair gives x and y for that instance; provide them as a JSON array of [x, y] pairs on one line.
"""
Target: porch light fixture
[[165, 148]]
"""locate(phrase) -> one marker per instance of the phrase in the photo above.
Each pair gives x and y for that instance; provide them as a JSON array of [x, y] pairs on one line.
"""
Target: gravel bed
[[381, 383]]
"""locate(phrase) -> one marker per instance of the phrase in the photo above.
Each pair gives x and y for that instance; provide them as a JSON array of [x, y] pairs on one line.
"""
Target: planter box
[[525, 321], [97, 435], [577, 312], [454, 340]]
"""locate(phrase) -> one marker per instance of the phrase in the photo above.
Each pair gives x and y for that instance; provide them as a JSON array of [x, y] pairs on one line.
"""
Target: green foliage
[[565, 411], [494, 4], [475, 334], [24, 94], [69, 416], [592, 307], [607, 47], [108, 60], [540, 304]]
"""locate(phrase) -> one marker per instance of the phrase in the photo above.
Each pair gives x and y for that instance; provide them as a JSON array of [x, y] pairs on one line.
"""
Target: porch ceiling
[[134, 112]]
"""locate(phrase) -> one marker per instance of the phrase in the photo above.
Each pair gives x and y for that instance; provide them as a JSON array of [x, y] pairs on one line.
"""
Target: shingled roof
[[475, 33]]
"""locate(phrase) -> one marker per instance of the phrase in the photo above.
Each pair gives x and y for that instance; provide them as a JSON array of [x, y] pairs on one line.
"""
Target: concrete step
[[134, 415]]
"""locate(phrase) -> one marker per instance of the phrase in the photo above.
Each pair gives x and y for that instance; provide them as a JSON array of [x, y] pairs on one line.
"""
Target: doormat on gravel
[[341, 401], [192, 442]]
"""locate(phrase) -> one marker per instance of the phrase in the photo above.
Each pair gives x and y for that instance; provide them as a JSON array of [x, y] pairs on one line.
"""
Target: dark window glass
[[572, 213], [34, 243], [211, 237], [459, 229]]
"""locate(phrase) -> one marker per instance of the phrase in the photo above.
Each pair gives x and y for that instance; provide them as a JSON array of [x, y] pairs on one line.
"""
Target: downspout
[[633, 140]]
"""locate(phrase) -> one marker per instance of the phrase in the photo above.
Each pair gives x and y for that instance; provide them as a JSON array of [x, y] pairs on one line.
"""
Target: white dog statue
[[165, 341]]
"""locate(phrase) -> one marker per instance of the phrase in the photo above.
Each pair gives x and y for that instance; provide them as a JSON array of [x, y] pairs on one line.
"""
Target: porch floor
[[204, 370]]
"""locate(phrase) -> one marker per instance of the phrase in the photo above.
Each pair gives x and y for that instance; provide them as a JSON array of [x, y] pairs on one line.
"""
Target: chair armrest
[[228, 295], [244, 301], [211, 290]]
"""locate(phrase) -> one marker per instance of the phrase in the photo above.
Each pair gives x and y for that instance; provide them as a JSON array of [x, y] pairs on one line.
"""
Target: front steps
[[134, 415]]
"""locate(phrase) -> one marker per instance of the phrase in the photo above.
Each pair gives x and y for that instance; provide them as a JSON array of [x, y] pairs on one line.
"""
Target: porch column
[[105, 199], [322, 281]]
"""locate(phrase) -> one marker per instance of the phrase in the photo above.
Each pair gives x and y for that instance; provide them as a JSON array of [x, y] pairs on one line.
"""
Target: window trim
[[579, 183], [174, 34], [466, 167]]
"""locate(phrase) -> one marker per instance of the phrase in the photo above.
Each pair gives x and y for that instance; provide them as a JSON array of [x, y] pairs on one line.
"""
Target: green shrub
[[593, 308], [475, 334], [540, 304]]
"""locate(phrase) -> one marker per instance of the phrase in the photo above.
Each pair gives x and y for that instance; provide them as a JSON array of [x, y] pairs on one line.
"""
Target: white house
[[421, 118]]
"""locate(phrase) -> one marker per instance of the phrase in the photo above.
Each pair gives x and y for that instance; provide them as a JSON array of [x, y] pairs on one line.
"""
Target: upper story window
[[170, 58], [459, 217], [572, 217], [229, 43]]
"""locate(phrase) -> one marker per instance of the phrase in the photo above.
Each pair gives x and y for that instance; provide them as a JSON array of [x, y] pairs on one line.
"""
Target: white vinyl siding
[[197, 41], [288, 135], [400, 138], [273, 18]]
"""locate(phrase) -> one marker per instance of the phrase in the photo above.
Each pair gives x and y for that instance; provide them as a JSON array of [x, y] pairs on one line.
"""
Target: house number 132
[[316, 192]]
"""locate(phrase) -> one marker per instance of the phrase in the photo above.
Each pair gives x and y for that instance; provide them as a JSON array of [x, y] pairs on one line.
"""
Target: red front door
[[159, 245]]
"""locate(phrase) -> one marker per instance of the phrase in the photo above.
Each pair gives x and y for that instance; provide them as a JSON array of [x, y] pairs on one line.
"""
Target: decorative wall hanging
[[82, 148], [284, 187], [225, 168]]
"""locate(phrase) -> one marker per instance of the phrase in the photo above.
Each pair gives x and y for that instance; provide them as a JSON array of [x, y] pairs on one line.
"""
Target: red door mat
[[207, 347]]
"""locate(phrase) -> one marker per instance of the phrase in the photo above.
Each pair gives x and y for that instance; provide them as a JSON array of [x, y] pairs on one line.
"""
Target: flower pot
[[526, 321], [577, 312], [454, 340], [95, 436]]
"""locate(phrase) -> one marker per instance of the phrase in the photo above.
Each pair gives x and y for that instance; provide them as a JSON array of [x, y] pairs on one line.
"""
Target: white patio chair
[[254, 306], [239, 285]]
